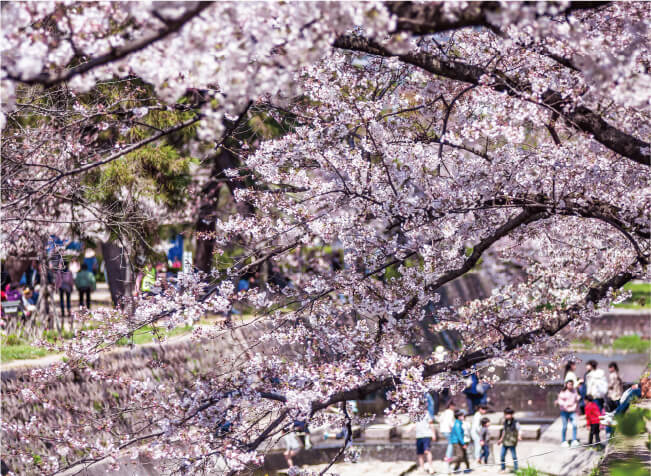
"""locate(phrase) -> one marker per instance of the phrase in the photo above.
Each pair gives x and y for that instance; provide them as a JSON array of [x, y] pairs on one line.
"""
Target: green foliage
[[632, 422], [157, 172], [37, 459], [640, 297], [632, 343], [583, 342], [632, 467], [21, 352], [528, 471], [12, 339]]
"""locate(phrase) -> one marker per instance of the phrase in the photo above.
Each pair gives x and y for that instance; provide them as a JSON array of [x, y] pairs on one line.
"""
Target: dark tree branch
[[171, 26], [577, 116]]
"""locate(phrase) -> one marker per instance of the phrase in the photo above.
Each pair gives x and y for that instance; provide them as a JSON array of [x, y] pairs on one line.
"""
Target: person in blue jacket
[[458, 441]]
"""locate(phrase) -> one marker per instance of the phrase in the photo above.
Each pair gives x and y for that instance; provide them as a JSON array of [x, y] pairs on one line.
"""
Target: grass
[[640, 297], [584, 343], [21, 352], [632, 343], [148, 333]]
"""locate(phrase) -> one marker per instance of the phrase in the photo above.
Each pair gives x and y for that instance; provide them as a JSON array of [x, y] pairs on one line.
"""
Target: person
[[146, 280], [63, 283], [457, 439], [509, 437], [29, 302], [614, 387], [596, 383], [424, 436], [445, 426], [85, 282], [570, 373], [592, 414], [484, 436], [475, 430], [302, 429], [626, 399], [431, 404], [292, 447], [568, 401], [473, 391]]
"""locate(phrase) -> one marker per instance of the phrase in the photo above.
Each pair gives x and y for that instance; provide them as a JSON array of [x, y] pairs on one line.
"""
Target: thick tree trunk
[[115, 262], [207, 210]]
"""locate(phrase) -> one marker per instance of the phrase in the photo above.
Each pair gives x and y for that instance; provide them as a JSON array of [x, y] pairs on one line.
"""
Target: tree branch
[[171, 26], [577, 116]]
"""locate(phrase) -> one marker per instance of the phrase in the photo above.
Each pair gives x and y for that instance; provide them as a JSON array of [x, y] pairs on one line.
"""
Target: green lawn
[[641, 297], [632, 343], [21, 352]]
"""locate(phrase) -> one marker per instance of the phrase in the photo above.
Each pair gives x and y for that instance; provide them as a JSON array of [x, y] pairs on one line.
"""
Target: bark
[[209, 203], [115, 263], [575, 115]]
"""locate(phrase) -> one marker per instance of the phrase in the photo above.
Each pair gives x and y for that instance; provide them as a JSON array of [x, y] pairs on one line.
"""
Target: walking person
[[63, 283], [596, 384], [424, 435], [457, 438], [475, 430], [85, 282], [509, 437], [592, 414], [568, 401], [614, 387], [484, 436], [445, 426]]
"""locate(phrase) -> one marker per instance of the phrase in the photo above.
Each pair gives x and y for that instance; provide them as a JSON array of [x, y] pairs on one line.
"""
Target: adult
[[457, 438], [424, 435], [445, 425], [509, 437], [292, 447], [570, 374], [85, 282], [64, 283], [626, 398], [614, 387], [568, 401], [596, 383], [475, 393], [475, 430]]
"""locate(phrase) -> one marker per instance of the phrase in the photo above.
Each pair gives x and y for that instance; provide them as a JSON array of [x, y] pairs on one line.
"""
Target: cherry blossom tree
[[426, 140]]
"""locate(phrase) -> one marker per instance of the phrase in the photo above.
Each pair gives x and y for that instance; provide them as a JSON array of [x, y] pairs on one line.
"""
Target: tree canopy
[[423, 140]]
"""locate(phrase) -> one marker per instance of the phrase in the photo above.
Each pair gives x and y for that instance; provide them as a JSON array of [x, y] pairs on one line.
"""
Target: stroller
[[13, 311]]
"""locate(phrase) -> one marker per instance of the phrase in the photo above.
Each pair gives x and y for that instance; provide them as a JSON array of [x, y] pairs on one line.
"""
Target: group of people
[[599, 397], [461, 432]]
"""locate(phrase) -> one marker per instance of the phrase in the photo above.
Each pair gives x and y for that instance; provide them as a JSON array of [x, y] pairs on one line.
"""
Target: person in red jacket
[[592, 414]]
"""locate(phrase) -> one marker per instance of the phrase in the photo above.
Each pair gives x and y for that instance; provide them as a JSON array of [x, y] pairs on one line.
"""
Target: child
[[457, 438], [568, 401], [484, 440], [424, 435], [592, 414], [509, 436]]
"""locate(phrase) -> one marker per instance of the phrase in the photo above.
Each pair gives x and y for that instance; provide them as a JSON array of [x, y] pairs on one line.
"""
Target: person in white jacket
[[475, 430], [596, 383], [445, 426]]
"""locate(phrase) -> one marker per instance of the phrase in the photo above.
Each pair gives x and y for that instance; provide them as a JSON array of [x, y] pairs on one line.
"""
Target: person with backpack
[[85, 282], [64, 283], [568, 401], [509, 437], [596, 383]]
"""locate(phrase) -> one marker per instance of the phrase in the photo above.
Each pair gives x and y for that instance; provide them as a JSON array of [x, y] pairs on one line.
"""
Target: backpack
[[83, 280], [510, 437], [600, 388]]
